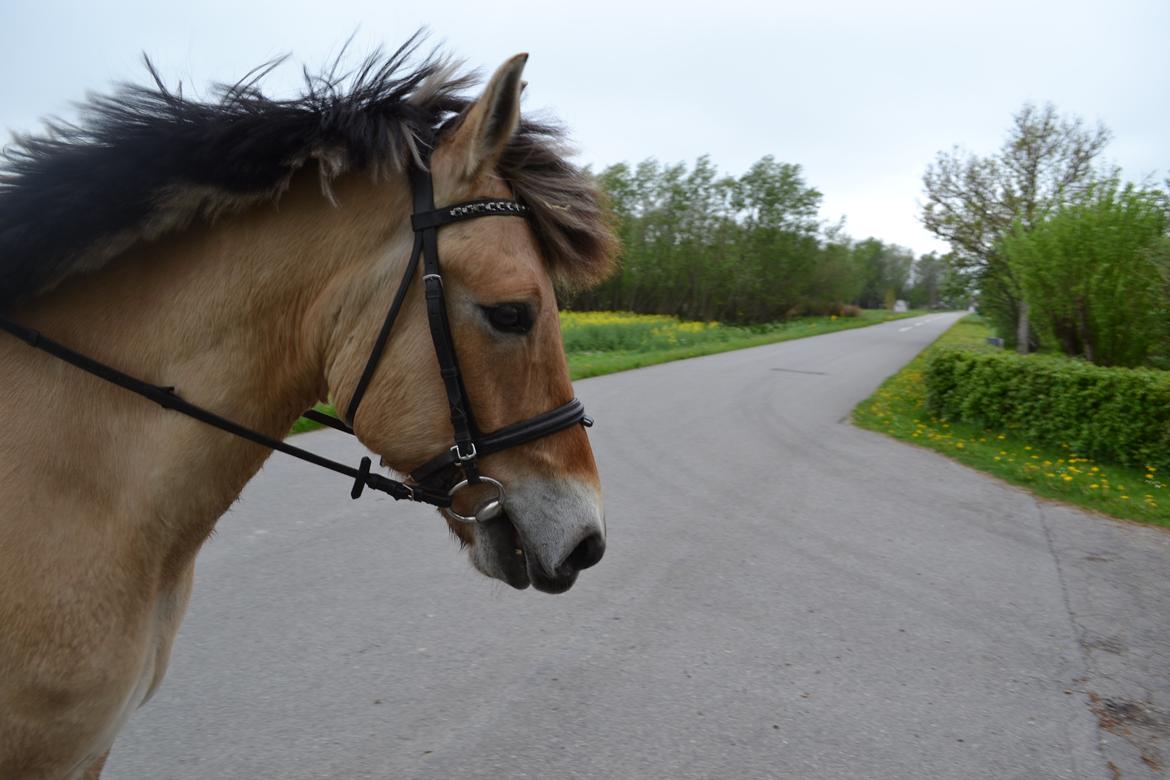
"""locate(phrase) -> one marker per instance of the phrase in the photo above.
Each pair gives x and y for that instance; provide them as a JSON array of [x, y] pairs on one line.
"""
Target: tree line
[[1057, 250], [702, 245]]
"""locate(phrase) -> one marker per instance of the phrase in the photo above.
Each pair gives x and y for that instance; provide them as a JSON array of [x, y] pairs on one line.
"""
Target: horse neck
[[235, 316]]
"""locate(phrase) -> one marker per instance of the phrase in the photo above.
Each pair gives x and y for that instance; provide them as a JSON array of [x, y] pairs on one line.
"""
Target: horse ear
[[490, 121]]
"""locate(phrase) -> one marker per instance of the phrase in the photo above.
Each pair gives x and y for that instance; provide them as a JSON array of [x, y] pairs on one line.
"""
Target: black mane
[[145, 161]]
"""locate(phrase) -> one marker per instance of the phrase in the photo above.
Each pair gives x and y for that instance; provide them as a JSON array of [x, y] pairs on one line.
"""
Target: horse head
[[498, 285]]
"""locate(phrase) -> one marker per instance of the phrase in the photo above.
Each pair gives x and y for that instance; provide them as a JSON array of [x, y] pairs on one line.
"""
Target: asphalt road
[[784, 596]]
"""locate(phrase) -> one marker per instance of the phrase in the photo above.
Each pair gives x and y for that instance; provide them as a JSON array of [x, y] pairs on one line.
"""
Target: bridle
[[470, 444], [439, 479]]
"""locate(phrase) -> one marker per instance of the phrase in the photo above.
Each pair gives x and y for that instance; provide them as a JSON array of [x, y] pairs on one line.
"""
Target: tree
[[745, 249], [929, 275], [974, 202], [884, 270], [1091, 273], [778, 246]]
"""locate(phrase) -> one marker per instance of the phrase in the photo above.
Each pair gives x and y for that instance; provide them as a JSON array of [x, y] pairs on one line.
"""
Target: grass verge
[[898, 409], [687, 340], [598, 343]]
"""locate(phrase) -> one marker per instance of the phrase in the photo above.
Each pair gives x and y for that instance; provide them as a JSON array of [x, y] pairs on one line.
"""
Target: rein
[[436, 481]]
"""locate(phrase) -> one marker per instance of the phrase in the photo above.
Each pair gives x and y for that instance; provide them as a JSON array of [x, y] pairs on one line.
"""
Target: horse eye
[[509, 317]]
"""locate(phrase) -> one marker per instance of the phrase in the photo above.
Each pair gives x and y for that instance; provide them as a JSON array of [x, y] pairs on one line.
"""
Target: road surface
[[784, 596]]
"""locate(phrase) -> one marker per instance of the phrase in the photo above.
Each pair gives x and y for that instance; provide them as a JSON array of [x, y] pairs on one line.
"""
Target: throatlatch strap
[[383, 336]]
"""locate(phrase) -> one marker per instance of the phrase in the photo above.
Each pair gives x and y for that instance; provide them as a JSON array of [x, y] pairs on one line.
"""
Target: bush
[[1092, 275], [839, 309], [1115, 414]]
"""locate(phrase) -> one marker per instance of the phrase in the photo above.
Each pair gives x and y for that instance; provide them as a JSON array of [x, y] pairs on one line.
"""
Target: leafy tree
[[929, 276], [973, 202], [706, 246], [884, 270], [1094, 273]]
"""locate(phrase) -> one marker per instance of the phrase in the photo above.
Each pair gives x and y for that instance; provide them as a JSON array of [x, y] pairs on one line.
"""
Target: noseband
[[436, 481]]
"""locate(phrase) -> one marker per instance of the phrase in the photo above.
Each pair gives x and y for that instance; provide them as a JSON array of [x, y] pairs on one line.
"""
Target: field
[[604, 342], [898, 409]]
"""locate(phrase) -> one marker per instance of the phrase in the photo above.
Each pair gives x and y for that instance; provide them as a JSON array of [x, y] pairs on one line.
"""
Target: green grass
[[599, 347], [897, 408], [598, 343]]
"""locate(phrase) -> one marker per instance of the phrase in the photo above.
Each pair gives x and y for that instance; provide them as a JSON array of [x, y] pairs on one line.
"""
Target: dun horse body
[[246, 251]]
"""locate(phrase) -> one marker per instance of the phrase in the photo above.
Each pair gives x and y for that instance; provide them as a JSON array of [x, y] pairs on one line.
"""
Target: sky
[[861, 95]]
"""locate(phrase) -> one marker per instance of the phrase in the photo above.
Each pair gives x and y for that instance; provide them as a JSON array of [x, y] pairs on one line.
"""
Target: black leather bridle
[[438, 480]]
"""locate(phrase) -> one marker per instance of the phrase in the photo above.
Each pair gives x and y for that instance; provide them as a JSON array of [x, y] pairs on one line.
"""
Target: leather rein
[[436, 481]]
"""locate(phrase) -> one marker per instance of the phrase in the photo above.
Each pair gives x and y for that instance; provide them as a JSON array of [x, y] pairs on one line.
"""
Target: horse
[[237, 255]]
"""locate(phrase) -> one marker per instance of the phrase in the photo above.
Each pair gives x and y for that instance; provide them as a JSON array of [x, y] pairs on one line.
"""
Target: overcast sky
[[861, 94]]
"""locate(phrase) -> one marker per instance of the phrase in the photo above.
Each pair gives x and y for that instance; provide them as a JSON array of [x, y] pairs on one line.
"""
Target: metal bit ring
[[487, 511]]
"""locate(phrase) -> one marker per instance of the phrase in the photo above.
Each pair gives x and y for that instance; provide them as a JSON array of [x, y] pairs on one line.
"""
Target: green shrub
[[1115, 414], [1093, 275]]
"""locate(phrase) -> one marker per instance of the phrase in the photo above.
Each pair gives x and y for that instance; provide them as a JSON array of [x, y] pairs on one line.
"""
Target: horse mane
[[146, 161]]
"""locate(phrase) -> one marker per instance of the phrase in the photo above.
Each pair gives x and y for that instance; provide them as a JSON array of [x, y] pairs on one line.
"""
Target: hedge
[[1112, 414]]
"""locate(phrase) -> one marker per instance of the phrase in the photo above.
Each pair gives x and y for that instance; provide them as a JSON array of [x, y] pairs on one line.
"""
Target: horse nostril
[[587, 553]]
